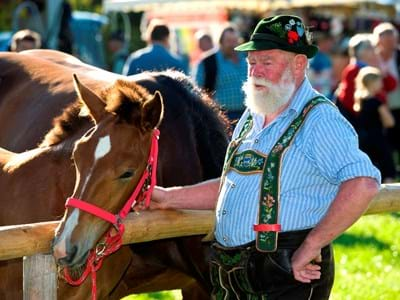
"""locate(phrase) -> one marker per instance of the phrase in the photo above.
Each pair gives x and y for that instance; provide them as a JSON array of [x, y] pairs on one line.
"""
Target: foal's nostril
[[69, 257]]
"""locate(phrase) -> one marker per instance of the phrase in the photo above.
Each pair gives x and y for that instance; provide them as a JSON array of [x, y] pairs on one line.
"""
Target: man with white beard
[[293, 180]]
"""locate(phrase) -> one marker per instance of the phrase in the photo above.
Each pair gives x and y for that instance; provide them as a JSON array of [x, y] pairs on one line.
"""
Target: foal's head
[[109, 159]]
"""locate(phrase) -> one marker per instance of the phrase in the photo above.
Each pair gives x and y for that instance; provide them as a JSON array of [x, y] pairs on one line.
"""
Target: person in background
[[204, 41], [386, 45], [373, 118], [118, 53], [320, 71], [25, 39], [65, 36], [293, 180], [156, 56], [340, 59], [362, 54], [221, 73]]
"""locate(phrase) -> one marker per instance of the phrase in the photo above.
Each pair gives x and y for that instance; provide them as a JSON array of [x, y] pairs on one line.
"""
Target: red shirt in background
[[348, 86]]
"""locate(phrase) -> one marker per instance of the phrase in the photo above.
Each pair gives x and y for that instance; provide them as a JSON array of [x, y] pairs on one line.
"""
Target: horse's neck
[[39, 180]]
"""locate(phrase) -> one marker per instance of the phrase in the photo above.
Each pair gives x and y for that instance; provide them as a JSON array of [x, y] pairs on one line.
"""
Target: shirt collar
[[158, 47], [303, 94]]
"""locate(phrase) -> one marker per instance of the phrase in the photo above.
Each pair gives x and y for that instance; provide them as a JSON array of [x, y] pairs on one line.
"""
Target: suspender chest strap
[[270, 166]]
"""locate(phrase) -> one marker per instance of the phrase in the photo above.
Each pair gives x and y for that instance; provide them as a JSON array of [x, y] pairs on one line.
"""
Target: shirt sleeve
[[334, 148]]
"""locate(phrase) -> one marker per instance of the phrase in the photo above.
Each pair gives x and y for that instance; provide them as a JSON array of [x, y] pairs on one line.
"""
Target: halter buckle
[[100, 249], [118, 222]]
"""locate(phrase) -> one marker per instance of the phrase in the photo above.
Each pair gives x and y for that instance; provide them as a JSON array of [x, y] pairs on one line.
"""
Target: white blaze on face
[[103, 147], [60, 249], [71, 222]]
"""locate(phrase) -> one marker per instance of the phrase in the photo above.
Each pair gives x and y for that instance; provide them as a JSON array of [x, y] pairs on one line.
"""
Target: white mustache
[[259, 81]]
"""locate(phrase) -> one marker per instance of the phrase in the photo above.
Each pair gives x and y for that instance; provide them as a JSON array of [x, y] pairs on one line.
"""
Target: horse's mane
[[69, 122], [122, 98], [210, 124]]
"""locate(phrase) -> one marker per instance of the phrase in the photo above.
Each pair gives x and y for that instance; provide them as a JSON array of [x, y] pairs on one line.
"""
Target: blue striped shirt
[[323, 154]]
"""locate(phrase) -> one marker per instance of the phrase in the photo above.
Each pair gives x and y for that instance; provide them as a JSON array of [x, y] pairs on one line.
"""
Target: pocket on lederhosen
[[234, 271], [268, 272], [228, 272]]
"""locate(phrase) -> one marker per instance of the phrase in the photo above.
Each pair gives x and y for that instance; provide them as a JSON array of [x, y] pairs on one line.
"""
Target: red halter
[[112, 243]]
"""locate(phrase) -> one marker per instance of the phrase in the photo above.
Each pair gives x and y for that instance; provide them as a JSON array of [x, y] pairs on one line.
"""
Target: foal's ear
[[93, 102], [153, 111]]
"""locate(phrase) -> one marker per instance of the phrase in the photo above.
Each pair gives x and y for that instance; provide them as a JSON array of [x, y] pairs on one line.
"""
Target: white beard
[[268, 101]]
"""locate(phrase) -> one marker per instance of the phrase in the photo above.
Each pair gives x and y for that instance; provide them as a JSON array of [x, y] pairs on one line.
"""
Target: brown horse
[[187, 155]]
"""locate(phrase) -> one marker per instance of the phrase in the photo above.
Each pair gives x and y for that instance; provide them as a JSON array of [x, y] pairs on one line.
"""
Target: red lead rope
[[112, 243]]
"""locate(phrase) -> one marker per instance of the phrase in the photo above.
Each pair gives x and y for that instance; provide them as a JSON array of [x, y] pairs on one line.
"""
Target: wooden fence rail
[[31, 241]]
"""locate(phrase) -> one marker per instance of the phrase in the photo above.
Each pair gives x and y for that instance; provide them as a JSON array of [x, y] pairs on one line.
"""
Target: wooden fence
[[32, 241]]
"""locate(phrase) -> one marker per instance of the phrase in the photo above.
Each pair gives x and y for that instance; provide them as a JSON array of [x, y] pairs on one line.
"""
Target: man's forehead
[[266, 53]]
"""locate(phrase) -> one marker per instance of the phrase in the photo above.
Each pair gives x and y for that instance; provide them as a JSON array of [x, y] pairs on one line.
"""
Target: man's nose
[[255, 71]]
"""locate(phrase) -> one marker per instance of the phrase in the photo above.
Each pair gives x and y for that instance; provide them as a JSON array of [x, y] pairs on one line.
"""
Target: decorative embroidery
[[293, 37], [228, 260], [269, 204], [251, 161], [292, 31], [248, 162], [277, 28]]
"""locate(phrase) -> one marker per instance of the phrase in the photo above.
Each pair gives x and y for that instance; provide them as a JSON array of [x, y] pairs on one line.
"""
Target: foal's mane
[[199, 101], [66, 124], [122, 98], [211, 126]]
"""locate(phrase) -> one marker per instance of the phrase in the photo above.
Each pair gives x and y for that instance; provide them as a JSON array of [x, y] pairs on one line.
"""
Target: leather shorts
[[241, 271]]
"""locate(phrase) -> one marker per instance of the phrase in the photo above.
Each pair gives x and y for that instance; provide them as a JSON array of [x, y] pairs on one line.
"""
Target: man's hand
[[304, 264], [158, 198], [201, 195]]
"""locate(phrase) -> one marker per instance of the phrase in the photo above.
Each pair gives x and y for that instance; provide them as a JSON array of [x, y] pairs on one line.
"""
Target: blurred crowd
[[361, 74]]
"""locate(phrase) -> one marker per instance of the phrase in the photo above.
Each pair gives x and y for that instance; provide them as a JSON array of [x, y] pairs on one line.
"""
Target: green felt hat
[[283, 32]]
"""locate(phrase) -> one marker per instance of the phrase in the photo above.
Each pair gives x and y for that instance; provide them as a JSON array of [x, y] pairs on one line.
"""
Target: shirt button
[[233, 185], [224, 212], [256, 141], [225, 238]]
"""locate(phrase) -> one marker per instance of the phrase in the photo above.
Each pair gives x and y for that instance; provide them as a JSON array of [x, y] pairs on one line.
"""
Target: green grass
[[367, 262], [166, 295]]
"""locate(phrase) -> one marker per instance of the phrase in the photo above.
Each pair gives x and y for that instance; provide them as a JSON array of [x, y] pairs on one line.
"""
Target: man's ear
[[300, 62]]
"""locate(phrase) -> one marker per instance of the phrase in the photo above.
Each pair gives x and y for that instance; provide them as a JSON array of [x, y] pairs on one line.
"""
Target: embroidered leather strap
[[267, 233], [234, 145], [250, 161]]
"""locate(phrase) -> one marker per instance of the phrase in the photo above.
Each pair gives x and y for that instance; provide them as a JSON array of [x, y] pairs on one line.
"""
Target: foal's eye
[[127, 174]]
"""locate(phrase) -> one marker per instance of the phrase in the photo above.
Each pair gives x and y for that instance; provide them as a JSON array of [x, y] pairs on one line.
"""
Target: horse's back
[[35, 86]]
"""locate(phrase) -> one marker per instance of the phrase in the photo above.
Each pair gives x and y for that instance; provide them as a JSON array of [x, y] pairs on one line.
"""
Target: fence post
[[40, 277]]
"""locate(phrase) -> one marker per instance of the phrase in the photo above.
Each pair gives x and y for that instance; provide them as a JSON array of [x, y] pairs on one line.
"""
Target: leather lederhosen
[[245, 273]]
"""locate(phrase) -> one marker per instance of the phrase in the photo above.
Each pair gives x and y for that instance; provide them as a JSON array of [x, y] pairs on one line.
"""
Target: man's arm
[[350, 203], [203, 195]]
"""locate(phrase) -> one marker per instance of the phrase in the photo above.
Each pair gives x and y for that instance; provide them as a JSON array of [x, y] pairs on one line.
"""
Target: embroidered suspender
[[250, 161]]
